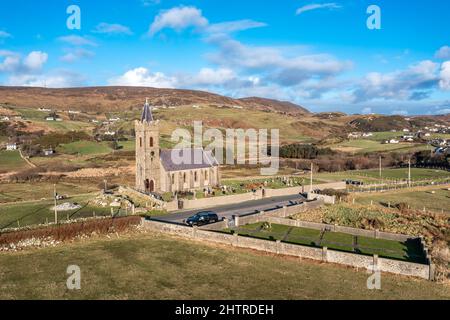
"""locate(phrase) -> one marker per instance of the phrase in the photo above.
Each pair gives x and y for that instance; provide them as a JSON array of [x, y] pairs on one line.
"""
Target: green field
[[153, 266], [434, 199], [15, 192], [334, 240], [360, 146], [11, 161], [373, 176], [38, 212], [85, 148]]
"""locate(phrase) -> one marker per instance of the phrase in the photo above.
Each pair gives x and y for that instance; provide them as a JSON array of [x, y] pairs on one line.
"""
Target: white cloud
[[444, 82], [412, 83], [4, 35], [315, 6], [107, 28], [367, 110], [178, 18], [35, 60], [443, 53], [142, 77], [208, 76], [58, 79], [14, 63], [78, 40], [148, 3], [76, 54], [233, 26], [286, 66]]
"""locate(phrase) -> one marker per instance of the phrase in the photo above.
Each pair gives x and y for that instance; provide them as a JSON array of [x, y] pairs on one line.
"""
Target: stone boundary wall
[[250, 196], [296, 190], [277, 247], [169, 206], [219, 201]]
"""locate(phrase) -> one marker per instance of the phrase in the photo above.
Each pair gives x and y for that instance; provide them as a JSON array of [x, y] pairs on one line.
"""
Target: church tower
[[148, 164]]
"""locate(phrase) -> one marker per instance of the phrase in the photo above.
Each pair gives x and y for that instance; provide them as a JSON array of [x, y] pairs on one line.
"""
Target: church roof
[[147, 113], [171, 163]]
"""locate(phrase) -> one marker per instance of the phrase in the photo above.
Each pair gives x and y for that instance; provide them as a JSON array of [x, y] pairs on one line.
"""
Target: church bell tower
[[148, 165]]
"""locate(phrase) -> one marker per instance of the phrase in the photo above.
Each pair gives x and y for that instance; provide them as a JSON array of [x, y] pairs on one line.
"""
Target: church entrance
[[149, 186]]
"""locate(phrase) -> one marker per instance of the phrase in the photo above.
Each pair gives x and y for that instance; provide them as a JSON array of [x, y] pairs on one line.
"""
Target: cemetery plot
[[407, 251]]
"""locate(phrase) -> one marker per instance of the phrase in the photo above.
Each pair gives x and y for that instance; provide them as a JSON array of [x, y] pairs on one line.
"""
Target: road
[[227, 211]]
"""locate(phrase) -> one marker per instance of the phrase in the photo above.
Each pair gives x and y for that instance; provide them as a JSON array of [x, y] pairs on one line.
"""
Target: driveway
[[227, 211]]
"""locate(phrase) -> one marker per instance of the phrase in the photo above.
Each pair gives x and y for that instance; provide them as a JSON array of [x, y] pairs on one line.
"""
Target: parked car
[[202, 218]]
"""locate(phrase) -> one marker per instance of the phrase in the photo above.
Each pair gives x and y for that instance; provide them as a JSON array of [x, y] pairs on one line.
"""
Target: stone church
[[156, 172]]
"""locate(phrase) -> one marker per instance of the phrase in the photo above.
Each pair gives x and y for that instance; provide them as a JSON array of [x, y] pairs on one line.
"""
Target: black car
[[202, 218]]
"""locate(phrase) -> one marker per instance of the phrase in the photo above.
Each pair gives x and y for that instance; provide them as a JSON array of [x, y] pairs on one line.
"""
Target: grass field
[[85, 148], [15, 192], [433, 198], [160, 267], [360, 146], [373, 176], [10, 161], [335, 240], [38, 212]]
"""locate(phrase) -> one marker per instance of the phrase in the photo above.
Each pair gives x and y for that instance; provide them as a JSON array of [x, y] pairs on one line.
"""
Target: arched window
[[140, 142], [184, 177], [195, 176], [151, 142]]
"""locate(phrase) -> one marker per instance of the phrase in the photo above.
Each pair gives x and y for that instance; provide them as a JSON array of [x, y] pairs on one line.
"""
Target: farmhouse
[[11, 146], [160, 171]]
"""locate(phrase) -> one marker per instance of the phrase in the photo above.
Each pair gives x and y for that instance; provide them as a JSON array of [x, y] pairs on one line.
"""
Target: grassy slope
[[159, 267], [417, 199], [11, 160]]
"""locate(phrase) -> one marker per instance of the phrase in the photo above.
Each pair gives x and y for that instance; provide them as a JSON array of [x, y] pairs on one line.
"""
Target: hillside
[[101, 99]]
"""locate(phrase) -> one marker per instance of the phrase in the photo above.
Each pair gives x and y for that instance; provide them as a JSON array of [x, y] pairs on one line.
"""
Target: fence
[[280, 248]]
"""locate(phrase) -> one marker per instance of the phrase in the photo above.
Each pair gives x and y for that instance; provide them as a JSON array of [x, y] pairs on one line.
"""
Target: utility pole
[[56, 210], [380, 168], [409, 172], [311, 182]]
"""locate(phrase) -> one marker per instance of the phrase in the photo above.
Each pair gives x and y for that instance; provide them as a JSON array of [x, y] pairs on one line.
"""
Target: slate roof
[[147, 113], [170, 164]]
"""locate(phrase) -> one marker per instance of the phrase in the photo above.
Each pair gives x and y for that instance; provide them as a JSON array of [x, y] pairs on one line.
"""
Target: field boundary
[[424, 271]]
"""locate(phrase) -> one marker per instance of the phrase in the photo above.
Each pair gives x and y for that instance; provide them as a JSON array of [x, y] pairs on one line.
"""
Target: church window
[[151, 142], [140, 142], [195, 176], [184, 177]]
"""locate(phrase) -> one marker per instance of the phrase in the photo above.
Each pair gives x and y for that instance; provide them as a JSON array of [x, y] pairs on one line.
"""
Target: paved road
[[235, 209]]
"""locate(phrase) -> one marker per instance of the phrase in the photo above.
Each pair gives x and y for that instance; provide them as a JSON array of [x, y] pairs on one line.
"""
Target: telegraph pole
[[56, 210], [311, 182], [409, 172], [380, 168]]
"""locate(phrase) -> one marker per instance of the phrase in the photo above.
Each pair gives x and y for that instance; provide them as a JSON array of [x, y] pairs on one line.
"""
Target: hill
[[274, 105], [101, 99]]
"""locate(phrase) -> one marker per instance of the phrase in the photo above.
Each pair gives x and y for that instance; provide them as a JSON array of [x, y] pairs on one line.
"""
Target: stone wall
[[219, 201], [277, 247], [159, 204], [250, 196]]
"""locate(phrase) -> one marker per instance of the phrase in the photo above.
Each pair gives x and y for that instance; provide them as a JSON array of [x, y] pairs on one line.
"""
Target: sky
[[319, 54]]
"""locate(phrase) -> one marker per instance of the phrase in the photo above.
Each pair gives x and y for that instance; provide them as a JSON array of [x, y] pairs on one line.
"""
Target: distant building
[[48, 152], [392, 141], [11, 146], [5, 118]]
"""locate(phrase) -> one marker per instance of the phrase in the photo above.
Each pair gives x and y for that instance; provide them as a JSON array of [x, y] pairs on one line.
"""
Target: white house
[[392, 141], [11, 146]]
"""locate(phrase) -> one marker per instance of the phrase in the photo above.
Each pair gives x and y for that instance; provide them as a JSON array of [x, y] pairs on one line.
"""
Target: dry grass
[[155, 266]]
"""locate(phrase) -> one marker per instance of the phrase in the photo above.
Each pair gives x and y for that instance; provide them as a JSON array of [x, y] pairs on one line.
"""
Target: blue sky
[[319, 54]]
